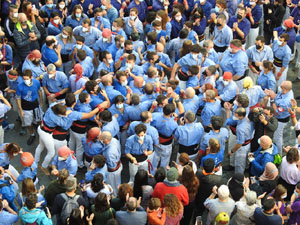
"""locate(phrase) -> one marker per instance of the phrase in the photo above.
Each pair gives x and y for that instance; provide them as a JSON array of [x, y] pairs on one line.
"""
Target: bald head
[[139, 81], [265, 142], [287, 85], [190, 92], [159, 47], [107, 80], [106, 136], [22, 18]]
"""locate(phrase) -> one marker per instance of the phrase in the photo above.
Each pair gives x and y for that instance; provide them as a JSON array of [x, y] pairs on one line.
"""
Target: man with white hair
[[191, 101], [221, 204]]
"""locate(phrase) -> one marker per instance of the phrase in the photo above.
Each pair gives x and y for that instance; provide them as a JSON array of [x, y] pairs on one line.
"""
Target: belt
[[277, 62], [201, 37], [182, 76], [45, 128], [233, 129], [79, 125], [241, 78], [116, 168], [165, 140], [247, 142]]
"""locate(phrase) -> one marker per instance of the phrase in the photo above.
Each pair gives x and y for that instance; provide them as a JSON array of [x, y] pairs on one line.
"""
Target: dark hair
[[216, 122], [194, 69], [140, 128], [189, 180], [168, 109], [144, 116], [209, 165], [113, 221], [27, 73], [87, 21], [160, 174], [183, 33], [131, 57], [119, 99], [75, 217], [80, 38], [140, 179], [196, 48], [54, 14], [160, 99], [285, 36], [152, 37], [101, 204], [63, 176], [278, 192], [106, 115], [70, 99], [59, 109], [12, 148], [135, 99], [269, 108], [83, 96], [31, 201], [260, 38], [90, 85], [119, 74], [128, 42], [1, 205], [99, 160], [50, 41], [268, 204], [81, 54], [97, 183], [292, 155]]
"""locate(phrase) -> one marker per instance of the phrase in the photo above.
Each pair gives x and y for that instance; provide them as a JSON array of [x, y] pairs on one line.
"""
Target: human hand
[[262, 195], [54, 172], [41, 188], [214, 189], [39, 204]]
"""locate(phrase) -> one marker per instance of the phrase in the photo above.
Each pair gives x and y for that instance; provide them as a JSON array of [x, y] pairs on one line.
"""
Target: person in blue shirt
[[282, 56], [281, 102], [256, 55], [150, 93], [29, 101], [193, 58], [91, 145], [48, 7], [158, 5], [64, 160], [244, 133], [55, 84], [177, 23], [254, 93], [191, 101], [116, 46], [133, 22], [288, 27], [107, 82], [141, 8], [111, 12], [133, 111], [266, 78], [7, 214], [6, 60], [51, 52], [30, 168], [222, 34], [86, 62], [122, 54], [55, 25], [132, 70], [108, 123], [240, 25], [107, 62], [83, 4], [103, 43], [121, 83], [174, 45], [117, 28], [99, 21], [235, 60], [211, 108], [90, 33], [137, 85], [98, 165], [112, 153], [34, 63], [205, 5], [254, 15], [227, 88], [81, 46], [264, 154], [189, 134], [137, 149], [76, 18]]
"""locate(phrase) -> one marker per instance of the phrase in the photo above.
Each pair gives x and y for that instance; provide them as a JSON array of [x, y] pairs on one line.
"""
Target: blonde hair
[[172, 205]]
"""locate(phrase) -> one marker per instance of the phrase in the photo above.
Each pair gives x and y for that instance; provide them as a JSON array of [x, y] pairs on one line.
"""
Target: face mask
[[178, 18], [251, 3], [51, 76], [210, 50], [235, 118], [113, 28], [15, 15], [27, 82], [56, 21], [64, 36], [239, 17], [78, 46], [103, 7], [15, 154], [225, 82], [61, 6], [158, 31], [204, 95], [195, 56], [229, 49], [105, 39], [124, 83], [158, 18], [49, 5], [110, 61], [217, 9], [119, 106], [297, 195], [61, 158], [140, 138], [84, 29], [141, 0], [257, 47], [218, 24], [132, 17], [128, 51], [78, 15], [129, 66], [279, 42]]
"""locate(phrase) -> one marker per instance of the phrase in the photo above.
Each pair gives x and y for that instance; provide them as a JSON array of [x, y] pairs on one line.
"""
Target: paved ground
[[13, 136]]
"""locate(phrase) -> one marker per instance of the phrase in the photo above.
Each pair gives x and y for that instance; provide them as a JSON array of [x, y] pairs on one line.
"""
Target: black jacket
[[275, 17]]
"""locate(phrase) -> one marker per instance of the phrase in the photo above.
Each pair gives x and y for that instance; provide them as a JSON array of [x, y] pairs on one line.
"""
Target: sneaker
[[228, 168], [22, 132], [45, 171], [30, 140], [9, 127]]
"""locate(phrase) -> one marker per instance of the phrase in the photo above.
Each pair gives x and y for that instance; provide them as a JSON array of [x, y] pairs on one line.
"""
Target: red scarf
[[78, 70]]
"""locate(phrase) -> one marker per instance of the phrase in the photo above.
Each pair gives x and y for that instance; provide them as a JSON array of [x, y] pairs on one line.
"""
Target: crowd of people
[[170, 89]]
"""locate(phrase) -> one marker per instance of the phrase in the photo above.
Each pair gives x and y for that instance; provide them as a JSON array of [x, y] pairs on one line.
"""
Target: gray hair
[[190, 116], [223, 192], [207, 42], [251, 198], [106, 135], [51, 67]]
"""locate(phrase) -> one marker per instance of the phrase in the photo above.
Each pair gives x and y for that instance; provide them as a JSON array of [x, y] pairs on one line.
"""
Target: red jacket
[[163, 188]]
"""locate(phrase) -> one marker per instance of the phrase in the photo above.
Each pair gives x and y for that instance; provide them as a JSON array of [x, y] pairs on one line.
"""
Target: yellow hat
[[222, 218], [248, 83]]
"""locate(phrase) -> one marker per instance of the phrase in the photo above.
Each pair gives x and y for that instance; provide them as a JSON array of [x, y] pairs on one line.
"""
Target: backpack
[[34, 223], [69, 205]]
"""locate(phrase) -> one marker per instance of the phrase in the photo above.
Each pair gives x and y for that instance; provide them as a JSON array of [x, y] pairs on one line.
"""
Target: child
[[193, 80], [156, 214]]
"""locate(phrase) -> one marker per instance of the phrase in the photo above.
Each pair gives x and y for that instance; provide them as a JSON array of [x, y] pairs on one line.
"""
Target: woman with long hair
[[279, 194], [191, 182], [76, 18], [119, 202], [141, 188], [173, 208], [102, 210], [77, 217], [97, 185]]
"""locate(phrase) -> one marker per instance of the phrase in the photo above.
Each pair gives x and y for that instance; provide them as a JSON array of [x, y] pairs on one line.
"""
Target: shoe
[[30, 140], [9, 127], [228, 168], [22, 132], [45, 171], [297, 80]]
